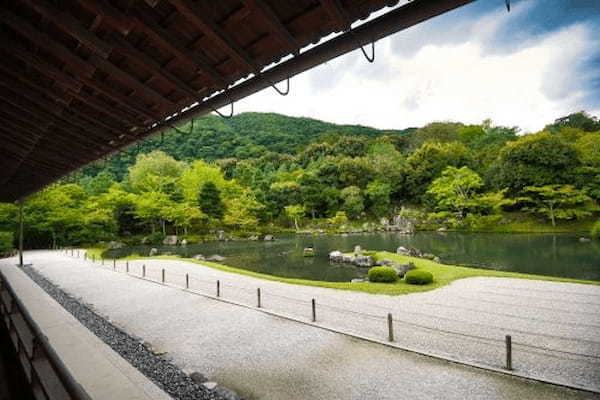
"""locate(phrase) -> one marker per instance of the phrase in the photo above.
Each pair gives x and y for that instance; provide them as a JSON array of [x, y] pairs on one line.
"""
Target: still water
[[543, 254]]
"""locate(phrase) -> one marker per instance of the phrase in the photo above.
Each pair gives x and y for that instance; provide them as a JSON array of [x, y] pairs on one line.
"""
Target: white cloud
[[528, 87]]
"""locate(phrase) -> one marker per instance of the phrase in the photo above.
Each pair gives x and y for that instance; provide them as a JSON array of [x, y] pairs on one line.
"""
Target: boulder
[[210, 385], [170, 240], [308, 252], [269, 238], [226, 394], [153, 252], [581, 239], [199, 257], [385, 261], [221, 235], [402, 250], [357, 250], [216, 258], [358, 280], [402, 269], [115, 245], [428, 256], [384, 221], [348, 259], [198, 377], [364, 261], [336, 256], [184, 242], [253, 237], [442, 229], [437, 259]]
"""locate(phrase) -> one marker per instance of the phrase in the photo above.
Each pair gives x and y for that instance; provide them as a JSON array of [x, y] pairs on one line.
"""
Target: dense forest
[[258, 173]]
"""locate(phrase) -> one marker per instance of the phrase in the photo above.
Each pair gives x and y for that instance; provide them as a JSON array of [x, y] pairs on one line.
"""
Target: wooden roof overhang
[[81, 79]]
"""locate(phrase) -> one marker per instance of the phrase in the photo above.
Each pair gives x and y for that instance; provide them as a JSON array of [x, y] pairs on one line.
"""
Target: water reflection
[[544, 254]]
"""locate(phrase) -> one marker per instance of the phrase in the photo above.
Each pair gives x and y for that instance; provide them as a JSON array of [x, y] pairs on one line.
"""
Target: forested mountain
[[246, 135], [266, 171]]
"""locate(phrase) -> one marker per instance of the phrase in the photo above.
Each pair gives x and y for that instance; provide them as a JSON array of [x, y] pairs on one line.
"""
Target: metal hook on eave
[[372, 58], [507, 5], [225, 116], [287, 89]]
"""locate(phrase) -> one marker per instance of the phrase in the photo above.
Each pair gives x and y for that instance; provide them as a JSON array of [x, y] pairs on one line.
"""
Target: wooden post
[[258, 296], [390, 328], [102, 260], [163, 275], [508, 353], [114, 264], [187, 281], [21, 233], [144, 271], [127, 266], [218, 289], [314, 311]]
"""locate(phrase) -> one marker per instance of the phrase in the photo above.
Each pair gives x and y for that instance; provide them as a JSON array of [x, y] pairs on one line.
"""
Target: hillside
[[246, 135]]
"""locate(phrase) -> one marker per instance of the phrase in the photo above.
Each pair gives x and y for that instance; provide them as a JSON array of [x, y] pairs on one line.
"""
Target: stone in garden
[[357, 280], [226, 393], [584, 239], [364, 261], [115, 245], [437, 259], [184, 242], [384, 221], [153, 252], [216, 258], [402, 269], [210, 385], [199, 257], [402, 250], [428, 256], [221, 235], [348, 259], [442, 229], [336, 256], [308, 252], [170, 240], [357, 249], [198, 377], [253, 237], [385, 261], [269, 238]]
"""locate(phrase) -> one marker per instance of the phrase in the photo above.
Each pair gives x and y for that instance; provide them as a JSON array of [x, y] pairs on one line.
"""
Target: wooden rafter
[[275, 25], [337, 14]]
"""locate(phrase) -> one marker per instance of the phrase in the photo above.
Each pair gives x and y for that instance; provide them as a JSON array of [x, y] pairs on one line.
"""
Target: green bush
[[595, 232], [6, 242], [418, 277], [382, 274]]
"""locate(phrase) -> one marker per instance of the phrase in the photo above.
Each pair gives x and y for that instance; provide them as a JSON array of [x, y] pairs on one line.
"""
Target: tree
[[455, 190], [353, 203], [209, 201], [153, 208], [242, 211], [378, 194], [428, 162], [338, 219], [295, 213], [580, 120], [154, 172], [437, 132], [556, 202], [535, 160]]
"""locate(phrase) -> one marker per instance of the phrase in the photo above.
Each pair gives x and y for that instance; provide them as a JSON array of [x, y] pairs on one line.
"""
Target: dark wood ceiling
[[80, 79]]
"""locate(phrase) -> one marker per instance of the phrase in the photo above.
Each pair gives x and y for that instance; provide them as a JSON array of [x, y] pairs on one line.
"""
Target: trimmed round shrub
[[595, 232], [418, 277], [382, 274]]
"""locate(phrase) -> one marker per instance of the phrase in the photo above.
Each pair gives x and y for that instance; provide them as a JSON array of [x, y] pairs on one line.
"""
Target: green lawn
[[442, 274]]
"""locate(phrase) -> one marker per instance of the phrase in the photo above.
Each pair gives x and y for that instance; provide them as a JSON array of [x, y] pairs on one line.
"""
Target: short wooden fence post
[[187, 281], [114, 264], [144, 271], [218, 289], [314, 311], [127, 266], [163, 275], [258, 296], [508, 352], [390, 328]]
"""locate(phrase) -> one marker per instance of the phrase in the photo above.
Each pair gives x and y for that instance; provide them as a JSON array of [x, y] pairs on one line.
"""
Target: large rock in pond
[[364, 261], [336, 257], [348, 259], [215, 258], [221, 235], [402, 250], [170, 240], [402, 269], [384, 262], [199, 257], [153, 252], [308, 252], [115, 245], [269, 238]]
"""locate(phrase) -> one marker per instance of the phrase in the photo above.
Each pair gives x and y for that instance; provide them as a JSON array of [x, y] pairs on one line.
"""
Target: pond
[[543, 254]]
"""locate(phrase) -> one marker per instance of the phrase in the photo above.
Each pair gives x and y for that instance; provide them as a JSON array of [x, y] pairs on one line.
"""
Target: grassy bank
[[443, 274]]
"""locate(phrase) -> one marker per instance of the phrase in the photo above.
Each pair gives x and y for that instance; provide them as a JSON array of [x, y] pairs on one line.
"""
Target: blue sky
[[524, 68]]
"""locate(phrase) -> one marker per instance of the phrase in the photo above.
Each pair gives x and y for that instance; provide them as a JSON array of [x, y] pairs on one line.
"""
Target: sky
[[525, 68]]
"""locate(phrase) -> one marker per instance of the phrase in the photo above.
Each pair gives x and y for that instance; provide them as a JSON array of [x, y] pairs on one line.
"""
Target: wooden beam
[[119, 21], [68, 24], [275, 25], [197, 16], [168, 40], [337, 14]]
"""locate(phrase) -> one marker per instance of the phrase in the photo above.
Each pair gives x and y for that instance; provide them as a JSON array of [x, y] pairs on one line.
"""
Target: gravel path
[[265, 357]]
